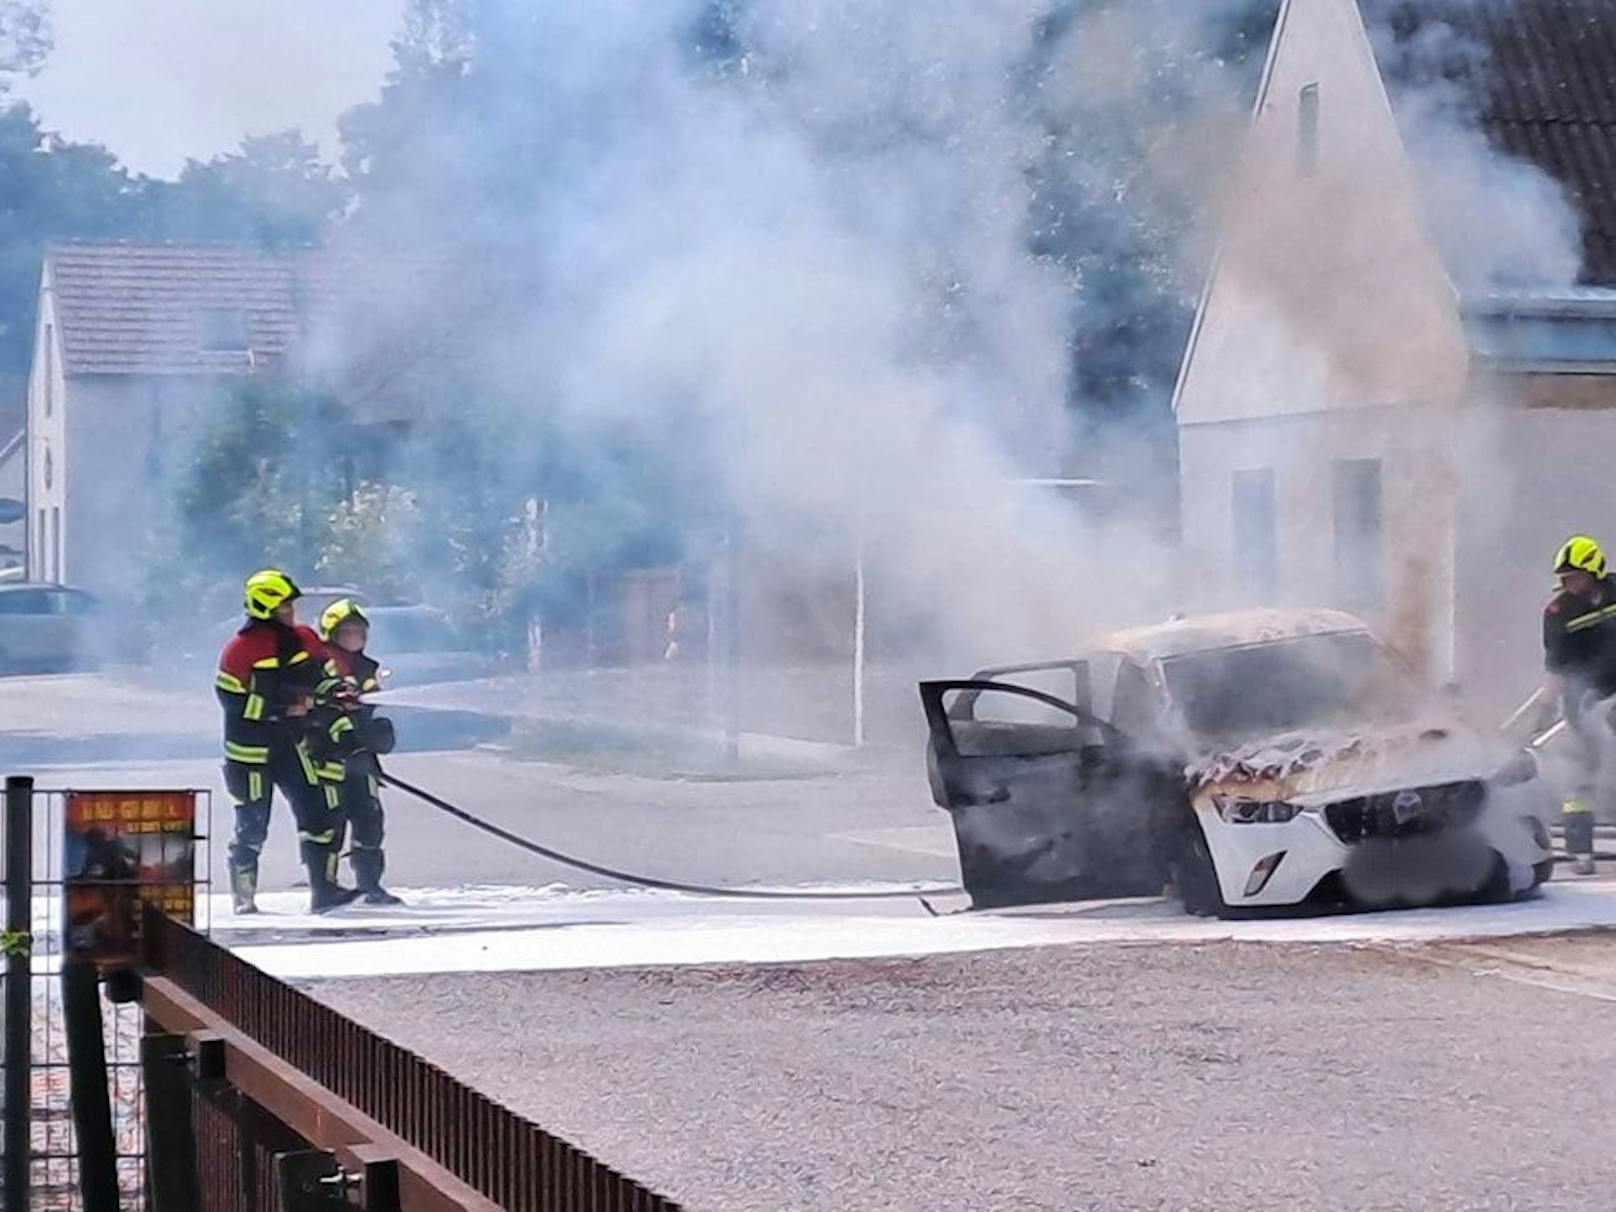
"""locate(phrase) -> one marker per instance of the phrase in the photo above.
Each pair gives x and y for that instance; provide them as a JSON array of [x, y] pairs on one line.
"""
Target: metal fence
[[41, 1149], [231, 1090], [368, 1098]]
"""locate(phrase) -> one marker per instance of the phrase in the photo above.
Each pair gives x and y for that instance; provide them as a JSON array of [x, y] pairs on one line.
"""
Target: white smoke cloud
[[819, 247]]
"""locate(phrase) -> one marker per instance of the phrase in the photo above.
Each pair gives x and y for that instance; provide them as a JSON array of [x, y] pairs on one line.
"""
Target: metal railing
[[308, 1065]]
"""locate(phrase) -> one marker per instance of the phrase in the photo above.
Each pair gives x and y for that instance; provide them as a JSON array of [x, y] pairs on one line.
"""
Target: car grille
[[1395, 814]]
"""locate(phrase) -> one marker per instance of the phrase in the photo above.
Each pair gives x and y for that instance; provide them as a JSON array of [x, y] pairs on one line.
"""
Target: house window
[[56, 543], [224, 330], [50, 368], [1254, 534], [1359, 533], [1307, 130]]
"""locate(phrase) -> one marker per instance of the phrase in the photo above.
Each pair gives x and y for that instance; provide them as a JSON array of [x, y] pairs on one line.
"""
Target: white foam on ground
[[513, 929]]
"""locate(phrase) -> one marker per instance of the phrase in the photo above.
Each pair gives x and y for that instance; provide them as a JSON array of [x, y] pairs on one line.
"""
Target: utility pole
[[858, 633], [732, 643]]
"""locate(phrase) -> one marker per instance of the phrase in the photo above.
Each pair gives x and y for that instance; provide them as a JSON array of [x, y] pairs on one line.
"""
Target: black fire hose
[[648, 881]]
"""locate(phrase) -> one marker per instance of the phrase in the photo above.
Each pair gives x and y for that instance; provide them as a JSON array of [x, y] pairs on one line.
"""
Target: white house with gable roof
[[1355, 432]]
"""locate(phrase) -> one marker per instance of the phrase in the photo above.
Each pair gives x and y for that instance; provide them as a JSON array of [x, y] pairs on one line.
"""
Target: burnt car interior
[[1283, 685], [1049, 801]]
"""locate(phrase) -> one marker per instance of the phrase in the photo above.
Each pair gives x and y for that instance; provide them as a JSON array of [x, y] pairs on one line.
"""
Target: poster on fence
[[122, 849]]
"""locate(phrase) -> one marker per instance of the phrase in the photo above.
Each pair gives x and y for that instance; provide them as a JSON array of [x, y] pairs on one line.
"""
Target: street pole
[[714, 632], [19, 866], [858, 636], [732, 646]]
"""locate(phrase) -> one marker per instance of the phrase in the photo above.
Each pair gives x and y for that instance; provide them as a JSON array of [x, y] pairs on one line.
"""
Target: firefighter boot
[[368, 863], [244, 887], [325, 893], [1578, 819]]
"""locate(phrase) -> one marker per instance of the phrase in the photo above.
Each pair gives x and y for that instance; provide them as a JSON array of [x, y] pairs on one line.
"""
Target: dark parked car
[[45, 628], [418, 645]]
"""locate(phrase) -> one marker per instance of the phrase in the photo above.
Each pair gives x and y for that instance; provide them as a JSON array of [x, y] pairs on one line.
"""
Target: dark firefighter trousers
[[316, 807], [360, 793], [1591, 722]]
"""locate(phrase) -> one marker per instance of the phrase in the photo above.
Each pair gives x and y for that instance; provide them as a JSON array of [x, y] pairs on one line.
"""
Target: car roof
[[1227, 629]]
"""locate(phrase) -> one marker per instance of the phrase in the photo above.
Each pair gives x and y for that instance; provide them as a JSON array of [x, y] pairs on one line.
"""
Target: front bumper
[[1407, 871]]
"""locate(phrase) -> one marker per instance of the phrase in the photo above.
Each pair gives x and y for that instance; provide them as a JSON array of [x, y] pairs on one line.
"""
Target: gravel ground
[[1227, 1076], [53, 1178]]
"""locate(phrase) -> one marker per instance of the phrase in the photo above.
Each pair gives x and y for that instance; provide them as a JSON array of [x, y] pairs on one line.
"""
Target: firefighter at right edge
[[1579, 648], [349, 738], [270, 674]]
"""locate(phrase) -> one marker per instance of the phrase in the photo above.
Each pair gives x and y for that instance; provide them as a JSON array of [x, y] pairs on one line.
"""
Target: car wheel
[[1497, 890], [1193, 873]]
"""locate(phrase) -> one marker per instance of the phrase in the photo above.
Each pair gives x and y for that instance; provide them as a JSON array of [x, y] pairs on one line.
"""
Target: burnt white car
[[1253, 760]]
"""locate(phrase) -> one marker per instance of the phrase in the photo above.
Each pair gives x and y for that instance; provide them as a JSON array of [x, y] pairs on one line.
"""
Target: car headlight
[[1237, 810]]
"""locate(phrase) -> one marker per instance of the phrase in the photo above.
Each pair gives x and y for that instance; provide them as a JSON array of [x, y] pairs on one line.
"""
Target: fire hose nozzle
[[1547, 735], [1533, 716]]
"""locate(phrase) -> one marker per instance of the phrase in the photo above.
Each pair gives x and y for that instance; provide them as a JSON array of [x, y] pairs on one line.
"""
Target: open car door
[[1049, 802]]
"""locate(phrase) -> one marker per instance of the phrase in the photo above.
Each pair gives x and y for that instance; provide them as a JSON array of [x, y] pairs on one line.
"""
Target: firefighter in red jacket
[[350, 743], [270, 674]]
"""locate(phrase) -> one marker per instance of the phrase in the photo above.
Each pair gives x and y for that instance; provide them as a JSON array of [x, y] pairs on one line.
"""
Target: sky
[[160, 81]]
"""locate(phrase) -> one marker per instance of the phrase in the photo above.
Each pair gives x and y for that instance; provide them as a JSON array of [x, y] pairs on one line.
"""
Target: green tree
[[259, 489], [1120, 195], [437, 36], [274, 190], [462, 487], [371, 538], [49, 189], [25, 38], [405, 152]]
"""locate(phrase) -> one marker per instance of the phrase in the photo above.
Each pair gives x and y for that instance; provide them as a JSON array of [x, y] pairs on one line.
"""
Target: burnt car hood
[[1317, 767]]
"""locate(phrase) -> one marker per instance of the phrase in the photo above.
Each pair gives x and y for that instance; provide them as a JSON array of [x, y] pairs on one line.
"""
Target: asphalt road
[[1215, 1078], [612, 804], [787, 831]]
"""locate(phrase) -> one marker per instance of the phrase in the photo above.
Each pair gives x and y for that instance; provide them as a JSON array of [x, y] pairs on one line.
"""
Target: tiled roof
[[218, 309], [1539, 76]]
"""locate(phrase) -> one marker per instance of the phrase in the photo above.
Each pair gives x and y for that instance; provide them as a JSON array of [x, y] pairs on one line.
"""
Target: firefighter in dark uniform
[[352, 743], [1579, 648], [270, 674]]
